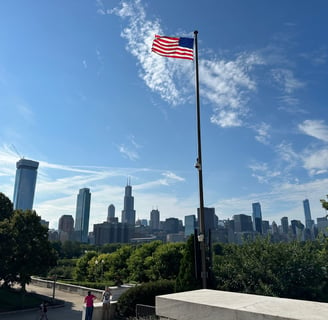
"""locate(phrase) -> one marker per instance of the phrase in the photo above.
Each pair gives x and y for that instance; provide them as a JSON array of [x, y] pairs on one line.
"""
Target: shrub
[[142, 294]]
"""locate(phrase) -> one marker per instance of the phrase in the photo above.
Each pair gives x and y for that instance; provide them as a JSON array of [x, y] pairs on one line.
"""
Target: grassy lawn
[[11, 299]]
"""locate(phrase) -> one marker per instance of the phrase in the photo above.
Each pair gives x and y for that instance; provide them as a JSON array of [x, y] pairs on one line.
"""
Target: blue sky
[[81, 92]]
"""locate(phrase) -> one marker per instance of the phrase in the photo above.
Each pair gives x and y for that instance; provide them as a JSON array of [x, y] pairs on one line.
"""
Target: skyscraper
[[65, 227], [154, 219], [284, 224], [257, 217], [242, 223], [25, 184], [190, 225], [209, 219], [82, 215], [307, 214], [128, 213], [111, 213]]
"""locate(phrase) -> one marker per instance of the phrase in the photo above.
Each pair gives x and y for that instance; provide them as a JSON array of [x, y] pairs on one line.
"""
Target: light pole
[[198, 165], [102, 270]]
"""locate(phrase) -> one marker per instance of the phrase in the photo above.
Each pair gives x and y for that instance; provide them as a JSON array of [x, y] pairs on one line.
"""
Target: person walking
[[88, 300], [43, 310], [106, 297]]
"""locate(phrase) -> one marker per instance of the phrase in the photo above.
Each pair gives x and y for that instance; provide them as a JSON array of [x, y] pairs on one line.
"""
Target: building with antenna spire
[[128, 212]]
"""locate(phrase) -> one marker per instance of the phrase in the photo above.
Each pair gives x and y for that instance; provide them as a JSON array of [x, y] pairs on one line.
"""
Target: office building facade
[[242, 223], [108, 232], [25, 182], [82, 215]]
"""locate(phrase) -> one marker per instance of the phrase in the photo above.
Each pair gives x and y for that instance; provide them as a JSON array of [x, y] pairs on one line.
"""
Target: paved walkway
[[72, 310]]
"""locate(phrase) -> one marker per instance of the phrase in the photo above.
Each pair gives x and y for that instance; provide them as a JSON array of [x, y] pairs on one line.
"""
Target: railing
[[144, 311]]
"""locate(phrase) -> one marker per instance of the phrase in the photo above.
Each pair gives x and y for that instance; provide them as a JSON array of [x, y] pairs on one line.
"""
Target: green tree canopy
[[32, 252], [136, 262], [6, 207]]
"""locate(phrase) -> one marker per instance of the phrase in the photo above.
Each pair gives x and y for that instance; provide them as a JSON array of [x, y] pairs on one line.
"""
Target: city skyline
[[91, 103]]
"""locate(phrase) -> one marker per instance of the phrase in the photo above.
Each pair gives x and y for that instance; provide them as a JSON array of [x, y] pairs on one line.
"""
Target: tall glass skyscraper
[[82, 215], [257, 217], [25, 184], [190, 225], [307, 213], [128, 213]]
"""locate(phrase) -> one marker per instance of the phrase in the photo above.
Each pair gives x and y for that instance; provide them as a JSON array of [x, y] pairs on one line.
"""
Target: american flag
[[174, 47]]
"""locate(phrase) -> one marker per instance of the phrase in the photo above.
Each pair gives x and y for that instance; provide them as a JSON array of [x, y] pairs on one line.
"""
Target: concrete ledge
[[97, 311], [82, 291], [222, 305]]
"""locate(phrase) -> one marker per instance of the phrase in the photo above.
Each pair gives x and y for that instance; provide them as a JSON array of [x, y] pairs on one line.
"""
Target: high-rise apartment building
[[128, 213], [154, 219], [25, 182], [307, 213], [82, 215], [257, 217]]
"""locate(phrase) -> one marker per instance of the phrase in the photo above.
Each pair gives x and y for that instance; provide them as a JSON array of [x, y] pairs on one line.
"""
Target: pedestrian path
[[71, 310]]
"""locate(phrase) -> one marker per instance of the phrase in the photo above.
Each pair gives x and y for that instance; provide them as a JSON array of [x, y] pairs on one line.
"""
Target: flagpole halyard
[[201, 237]]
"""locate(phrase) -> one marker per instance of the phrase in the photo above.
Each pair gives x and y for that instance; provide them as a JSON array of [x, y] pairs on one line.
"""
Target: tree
[[187, 278], [81, 270], [116, 264], [32, 252], [291, 270], [324, 203], [136, 262], [164, 263], [7, 243], [6, 207]]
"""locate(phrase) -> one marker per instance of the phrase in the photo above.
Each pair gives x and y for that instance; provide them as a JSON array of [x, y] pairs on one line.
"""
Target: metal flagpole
[[198, 165]]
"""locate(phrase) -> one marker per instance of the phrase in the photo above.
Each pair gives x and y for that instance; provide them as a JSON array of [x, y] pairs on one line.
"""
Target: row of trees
[[24, 246], [293, 270]]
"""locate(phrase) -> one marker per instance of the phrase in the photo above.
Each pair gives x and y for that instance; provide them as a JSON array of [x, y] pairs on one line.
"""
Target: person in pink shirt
[[88, 300]]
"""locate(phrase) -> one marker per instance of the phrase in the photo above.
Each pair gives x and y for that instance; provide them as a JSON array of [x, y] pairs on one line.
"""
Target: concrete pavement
[[71, 310]]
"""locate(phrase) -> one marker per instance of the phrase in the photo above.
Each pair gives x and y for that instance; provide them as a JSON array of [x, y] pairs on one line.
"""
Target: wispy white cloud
[[262, 131], [130, 154], [224, 84], [263, 172], [315, 128], [288, 84], [171, 175], [316, 162]]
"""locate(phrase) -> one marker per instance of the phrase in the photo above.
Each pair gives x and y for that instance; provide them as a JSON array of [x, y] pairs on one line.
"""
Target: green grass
[[11, 299]]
